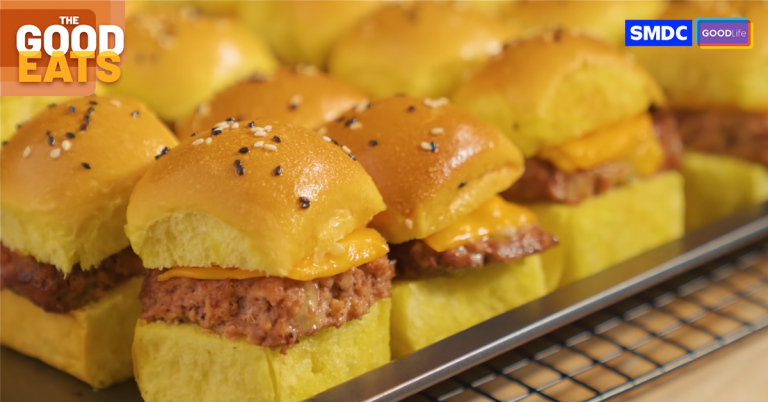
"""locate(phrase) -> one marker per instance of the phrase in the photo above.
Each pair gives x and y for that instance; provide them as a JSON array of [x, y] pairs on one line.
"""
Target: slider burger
[[69, 280], [175, 59], [423, 48], [302, 96], [265, 283], [720, 100], [463, 254], [601, 160]]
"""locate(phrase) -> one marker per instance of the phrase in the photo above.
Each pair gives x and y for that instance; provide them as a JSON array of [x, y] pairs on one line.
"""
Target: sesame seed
[[72, 109], [322, 130], [51, 141], [231, 119], [70, 135], [84, 127], [48, 133], [295, 101], [135, 114], [215, 131], [234, 125], [26, 152], [408, 223], [270, 147], [209, 140], [204, 109], [55, 153], [437, 131], [346, 149], [268, 128], [351, 122], [198, 141], [373, 143], [429, 146], [362, 106], [66, 145], [193, 134], [115, 103], [90, 109], [221, 124], [251, 124], [243, 150], [162, 152], [435, 103], [276, 139], [86, 165], [52, 105], [93, 103], [411, 109], [352, 157], [304, 202], [18, 126], [327, 138], [239, 167], [340, 119], [87, 118], [278, 171], [462, 184], [260, 133], [356, 125], [258, 144], [5, 142]]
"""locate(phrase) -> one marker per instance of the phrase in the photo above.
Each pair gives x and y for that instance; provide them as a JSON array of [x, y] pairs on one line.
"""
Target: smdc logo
[[658, 33]]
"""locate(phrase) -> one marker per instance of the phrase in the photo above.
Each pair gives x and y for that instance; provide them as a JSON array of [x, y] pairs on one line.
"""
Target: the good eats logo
[[707, 33], [50, 50]]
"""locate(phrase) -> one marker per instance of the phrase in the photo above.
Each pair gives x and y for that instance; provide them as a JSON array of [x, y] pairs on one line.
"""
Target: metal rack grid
[[627, 344]]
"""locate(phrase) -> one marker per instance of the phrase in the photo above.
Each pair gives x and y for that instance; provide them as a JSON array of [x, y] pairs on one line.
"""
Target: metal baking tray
[[23, 379]]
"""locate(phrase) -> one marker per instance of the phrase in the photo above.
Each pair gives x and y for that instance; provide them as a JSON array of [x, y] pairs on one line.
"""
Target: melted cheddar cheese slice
[[492, 216], [633, 141], [357, 248]]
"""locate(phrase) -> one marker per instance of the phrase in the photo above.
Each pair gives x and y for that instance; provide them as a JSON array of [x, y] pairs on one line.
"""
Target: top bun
[[557, 87], [66, 180], [602, 19], [261, 198], [302, 32], [432, 162], [301, 96], [714, 78], [176, 59], [422, 48]]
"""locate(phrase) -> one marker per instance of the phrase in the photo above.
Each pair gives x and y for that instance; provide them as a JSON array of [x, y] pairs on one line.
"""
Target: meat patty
[[48, 288], [731, 133], [415, 259], [270, 311], [543, 182]]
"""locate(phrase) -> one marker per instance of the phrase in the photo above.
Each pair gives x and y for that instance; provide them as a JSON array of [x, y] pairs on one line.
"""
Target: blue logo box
[[658, 33]]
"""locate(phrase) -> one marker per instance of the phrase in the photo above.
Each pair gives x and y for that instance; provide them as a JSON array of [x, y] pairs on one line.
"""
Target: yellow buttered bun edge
[[558, 86]]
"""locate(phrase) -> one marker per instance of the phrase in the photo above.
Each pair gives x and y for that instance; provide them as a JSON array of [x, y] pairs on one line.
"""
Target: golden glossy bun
[[425, 190], [15, 110], [92, 344], [303, 32], [603, 19], [714, 78], [556, 87], [186, 363], [65, 203], [421, 48], [193, 208], [301, 96], [176, 59]]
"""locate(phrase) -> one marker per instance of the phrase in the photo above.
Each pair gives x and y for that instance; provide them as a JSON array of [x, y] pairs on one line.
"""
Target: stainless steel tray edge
[[408, 375]]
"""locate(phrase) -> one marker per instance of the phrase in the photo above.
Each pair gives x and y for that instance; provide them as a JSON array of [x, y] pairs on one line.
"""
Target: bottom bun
[[718, 186], [182, 362], [425, 311], [92, 343], [612, 227]]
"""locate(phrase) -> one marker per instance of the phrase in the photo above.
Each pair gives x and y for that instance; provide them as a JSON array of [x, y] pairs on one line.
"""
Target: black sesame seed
[[434, 146], [370, 105], [304, 202], [51, 141], [294, 106], [72, 109], [87, 119], [86, 165], [340, 119], [276, 139], [411, 109], [352, 157], [373, 143], [215, 131], [163, 152], [5, 142], [462, 184], [243, 150], [335, 142], [193, 134], [251, 125], [135, 114], [350, 122], [239, 167], [231, 119], [278, 171], [48, 133], [91, 110], [52, 105], [84, 127], [93, 103], [70, 135], [18, 126]]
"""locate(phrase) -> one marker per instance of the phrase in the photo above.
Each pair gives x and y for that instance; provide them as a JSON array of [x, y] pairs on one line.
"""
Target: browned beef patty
[[271, 311], [542, 182], [415, 259], [48, 288], [731, 133]]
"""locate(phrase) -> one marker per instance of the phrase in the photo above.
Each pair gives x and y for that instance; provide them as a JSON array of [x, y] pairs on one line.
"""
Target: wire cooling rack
[[627, 344]]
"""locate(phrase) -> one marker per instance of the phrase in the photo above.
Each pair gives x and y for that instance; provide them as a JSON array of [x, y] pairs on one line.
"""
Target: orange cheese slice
[[357, 248], [493, 215], [634, 141]]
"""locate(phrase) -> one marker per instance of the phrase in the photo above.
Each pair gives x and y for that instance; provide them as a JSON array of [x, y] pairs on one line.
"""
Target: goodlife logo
[[59, 48], [707, 33]]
